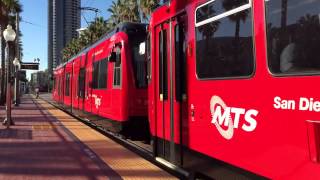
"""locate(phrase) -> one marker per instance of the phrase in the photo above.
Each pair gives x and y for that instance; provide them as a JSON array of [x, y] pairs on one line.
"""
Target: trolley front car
[[233, 87]]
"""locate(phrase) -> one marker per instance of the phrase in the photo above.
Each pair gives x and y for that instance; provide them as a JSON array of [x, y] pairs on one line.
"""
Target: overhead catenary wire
[[31, 23]]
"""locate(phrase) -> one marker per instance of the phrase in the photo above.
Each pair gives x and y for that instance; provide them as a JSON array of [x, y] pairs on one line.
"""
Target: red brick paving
[[39, 147]]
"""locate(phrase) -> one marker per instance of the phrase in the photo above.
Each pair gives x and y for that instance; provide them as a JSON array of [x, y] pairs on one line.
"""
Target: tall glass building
[[63, 21]]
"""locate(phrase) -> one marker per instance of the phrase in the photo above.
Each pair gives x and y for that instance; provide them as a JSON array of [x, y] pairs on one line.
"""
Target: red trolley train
[[232, 87], [107, 81]]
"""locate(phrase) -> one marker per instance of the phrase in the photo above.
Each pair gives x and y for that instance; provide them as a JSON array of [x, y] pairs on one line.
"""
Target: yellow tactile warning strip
[[42, 127], [126, 163]]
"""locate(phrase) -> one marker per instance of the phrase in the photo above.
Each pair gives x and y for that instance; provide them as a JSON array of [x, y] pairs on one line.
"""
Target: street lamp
[[16, 64], [36, 60], [9, 35]]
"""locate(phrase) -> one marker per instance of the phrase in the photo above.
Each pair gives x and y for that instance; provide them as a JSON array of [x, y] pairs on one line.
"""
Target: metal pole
[[18, 55], [49, 83], [8, 99], [16, 86], [3, 74]]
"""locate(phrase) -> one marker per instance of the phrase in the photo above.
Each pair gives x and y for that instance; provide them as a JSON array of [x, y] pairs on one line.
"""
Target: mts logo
[[230, 118]]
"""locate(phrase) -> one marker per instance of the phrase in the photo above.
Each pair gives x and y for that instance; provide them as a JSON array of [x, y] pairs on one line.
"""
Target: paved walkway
[[47, 143]]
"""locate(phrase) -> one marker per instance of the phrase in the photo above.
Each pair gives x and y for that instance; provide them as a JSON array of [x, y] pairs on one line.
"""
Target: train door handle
[[161, 97]]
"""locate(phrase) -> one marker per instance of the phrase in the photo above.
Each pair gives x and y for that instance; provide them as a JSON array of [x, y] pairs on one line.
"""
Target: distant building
[[39, 79], [63, 21]]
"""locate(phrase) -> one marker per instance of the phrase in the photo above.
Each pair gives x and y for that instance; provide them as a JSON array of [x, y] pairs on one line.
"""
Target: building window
[[99, 76], [293, 36], [117, 69], [67, 90], [224, 44], [81, 82]]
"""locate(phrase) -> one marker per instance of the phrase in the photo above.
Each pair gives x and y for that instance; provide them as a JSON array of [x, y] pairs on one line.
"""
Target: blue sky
[[34, 27]]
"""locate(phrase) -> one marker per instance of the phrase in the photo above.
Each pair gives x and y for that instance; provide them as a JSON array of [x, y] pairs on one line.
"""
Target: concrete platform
[[46, 143]]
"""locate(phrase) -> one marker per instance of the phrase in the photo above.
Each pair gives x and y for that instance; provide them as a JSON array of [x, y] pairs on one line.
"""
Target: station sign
[[29, 66]]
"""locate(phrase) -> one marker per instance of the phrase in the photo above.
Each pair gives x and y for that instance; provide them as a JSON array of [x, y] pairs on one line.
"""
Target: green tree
[[93, 33], [98, 28], [146, 7], [209, 29], [123, 11], [130, 10], [240, 16], [6, 6], [116, 14], [284, 9]]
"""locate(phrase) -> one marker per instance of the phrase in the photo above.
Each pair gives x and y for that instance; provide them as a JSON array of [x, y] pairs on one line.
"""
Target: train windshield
[[293, 36], [139, 63]]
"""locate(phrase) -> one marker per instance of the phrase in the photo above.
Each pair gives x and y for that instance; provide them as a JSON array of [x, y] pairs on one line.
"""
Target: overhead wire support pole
[[9, 35], [96, 10], [17, 62]]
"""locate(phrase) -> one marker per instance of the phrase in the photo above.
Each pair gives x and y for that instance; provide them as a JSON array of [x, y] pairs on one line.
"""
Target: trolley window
[[100, 69], [180, 61], [67, 90], [136, 37], [117, 69], [81, 83], [293, 35], [224, 44], [59, 86], [163, 66], [54, 83]]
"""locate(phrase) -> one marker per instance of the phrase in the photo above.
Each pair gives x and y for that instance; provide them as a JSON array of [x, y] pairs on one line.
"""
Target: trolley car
[[233, 87], [106, 81]]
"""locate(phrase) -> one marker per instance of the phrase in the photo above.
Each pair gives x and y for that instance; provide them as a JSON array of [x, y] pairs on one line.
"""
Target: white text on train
[[305, 104], [230, 117]]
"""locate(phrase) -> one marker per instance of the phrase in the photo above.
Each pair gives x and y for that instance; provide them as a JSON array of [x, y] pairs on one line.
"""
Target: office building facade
[[63, 21]]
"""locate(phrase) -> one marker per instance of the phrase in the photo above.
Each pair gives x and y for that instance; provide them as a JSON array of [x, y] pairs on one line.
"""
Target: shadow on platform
[[15, 134]]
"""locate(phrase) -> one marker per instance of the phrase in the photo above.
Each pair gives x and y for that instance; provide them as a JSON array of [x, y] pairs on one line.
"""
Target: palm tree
[[130, 10], [3, 22], [284, 8], [207, 30], [17, 23], [84, 38], [116, 14], [20, 45], [232, 4], [307, 39], [6, 6], [123, 11], [98, 28], [146, 7], [95, 30]]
